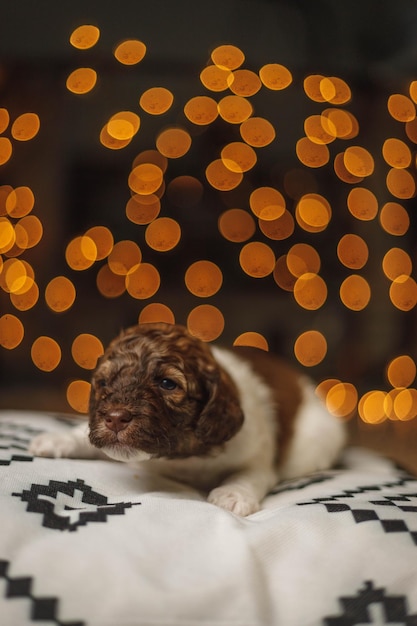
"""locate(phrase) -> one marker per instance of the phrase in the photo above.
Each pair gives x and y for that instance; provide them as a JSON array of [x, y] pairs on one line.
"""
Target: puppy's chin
[[125, 454]]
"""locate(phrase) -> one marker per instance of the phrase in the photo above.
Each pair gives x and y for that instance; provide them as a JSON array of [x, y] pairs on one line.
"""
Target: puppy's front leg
[[243, 491], [73, 444]]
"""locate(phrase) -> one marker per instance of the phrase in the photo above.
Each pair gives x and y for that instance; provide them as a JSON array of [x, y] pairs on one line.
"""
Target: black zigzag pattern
[[370, 606], [69, 505], [383, 510], [296, 484], [41, 608], [13, 436]]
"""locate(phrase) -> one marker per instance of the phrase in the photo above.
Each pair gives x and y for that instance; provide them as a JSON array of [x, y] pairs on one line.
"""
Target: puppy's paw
[[55, 445], [234, 498]]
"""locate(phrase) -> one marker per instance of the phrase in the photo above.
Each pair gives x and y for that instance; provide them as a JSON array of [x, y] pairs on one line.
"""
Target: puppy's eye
[[167, 384], [101, 383]]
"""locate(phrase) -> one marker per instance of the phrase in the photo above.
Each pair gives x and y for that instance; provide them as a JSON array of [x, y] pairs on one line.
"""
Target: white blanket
[[97, 543]]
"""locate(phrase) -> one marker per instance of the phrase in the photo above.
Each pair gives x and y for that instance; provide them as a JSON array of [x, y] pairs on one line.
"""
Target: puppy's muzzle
[[117, 419]]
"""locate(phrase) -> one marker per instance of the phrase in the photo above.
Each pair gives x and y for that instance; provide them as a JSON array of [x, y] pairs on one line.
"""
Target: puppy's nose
[[117, 419]]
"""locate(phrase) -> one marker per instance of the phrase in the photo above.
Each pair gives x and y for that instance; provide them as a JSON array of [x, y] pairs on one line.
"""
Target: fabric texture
[[100, 543]]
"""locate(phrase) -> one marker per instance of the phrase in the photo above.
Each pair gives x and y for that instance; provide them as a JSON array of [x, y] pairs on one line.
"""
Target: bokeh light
[[245, 83], [341, 399], [60, 294], [203, 278], [11, 331], [267, 203], [310, 291], [82, 80], [4, 119], [312, 89], [173, 142], [275, 76], [78, 395], [257, 259], [257, 132], [234, 109], [334, 90], [312, 154], [394, 219], [29, 232], [355, 292], [156, 312], [405, 404], [205, 322], [282, 275], [143, 282], [110, 142], [341, 171], [20, 201], [130, 51], [280, 228], [319, 129], [313, 212], [201, 110], [86, 349], [123, 126], [228, 56], [396, 153], [163, 234], [85, 36], [253, 340], [310, 348], [411, 130], [142, 209], [6, 150], [401, 371], [401, 108], [145, 179], [46, 353], [124, 257], [25, 127], [103, 239], [358, 161], [216, 78], [401, 183], [403, 293], [362, 203], [221, 177], [352, 251], [109, 284], [340, 122], [238, 157], [396, 263], [373, 407], [156, 100], [236, 225], [81, 253], [303, 258]]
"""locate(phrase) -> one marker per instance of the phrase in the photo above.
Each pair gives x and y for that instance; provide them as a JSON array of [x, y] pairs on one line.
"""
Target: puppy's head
[[158, 392]]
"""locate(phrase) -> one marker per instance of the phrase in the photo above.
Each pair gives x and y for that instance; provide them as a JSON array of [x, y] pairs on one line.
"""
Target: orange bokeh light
[[203, 278], [257, 259], [310, 348], [253, 340], [205, 322]]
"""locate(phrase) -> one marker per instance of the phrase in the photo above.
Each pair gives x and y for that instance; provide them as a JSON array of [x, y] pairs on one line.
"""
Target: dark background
[[78, 183]]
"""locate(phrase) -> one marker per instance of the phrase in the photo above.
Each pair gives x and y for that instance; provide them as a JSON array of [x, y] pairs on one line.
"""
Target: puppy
[[232, 422]]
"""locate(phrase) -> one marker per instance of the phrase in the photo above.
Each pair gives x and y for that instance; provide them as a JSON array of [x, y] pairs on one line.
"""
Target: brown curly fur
[[200, 414]]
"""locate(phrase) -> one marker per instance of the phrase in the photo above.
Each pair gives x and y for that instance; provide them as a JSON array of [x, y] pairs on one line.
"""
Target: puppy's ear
[[222, 416]]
